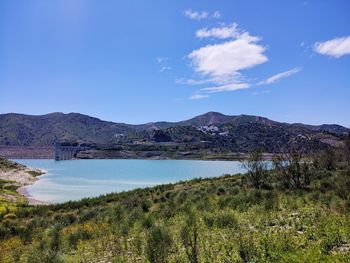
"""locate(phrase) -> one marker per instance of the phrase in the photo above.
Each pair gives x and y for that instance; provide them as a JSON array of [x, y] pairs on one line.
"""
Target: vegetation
[[6, 165], [10, 200], [257, 169], [300, 214], [212, 132]]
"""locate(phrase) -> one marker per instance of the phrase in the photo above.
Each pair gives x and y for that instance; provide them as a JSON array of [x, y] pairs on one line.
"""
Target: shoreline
[[21, 176], [31, 201], [22, 190]]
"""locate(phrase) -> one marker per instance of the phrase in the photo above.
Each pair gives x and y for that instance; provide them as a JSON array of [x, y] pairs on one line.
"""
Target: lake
[[76, 179]]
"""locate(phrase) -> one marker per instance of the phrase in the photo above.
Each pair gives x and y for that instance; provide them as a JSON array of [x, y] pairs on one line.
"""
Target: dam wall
[[67, 152]]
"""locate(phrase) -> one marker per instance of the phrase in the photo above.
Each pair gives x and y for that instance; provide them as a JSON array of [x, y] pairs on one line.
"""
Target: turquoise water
[[76, 179]]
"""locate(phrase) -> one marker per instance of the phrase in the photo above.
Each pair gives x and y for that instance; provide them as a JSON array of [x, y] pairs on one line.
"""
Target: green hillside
[[208, 132]]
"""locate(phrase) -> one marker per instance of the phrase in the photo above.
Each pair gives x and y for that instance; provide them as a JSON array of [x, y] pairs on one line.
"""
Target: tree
[[325, 159], [293, 169], [257, 170]]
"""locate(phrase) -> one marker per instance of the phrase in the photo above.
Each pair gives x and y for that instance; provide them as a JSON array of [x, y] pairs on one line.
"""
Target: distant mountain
[[207, 119], [332, 128], [212, 130], [28, 130]]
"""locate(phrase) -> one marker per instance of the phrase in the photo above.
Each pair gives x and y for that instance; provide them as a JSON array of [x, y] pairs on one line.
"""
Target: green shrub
[[4, 232], [55, 238], [146, 205], [270, 200], [190, 235], [159, 243], [147, 222], [48, 256], [226, 220], [73, 238], [247, 250], [86, 215]]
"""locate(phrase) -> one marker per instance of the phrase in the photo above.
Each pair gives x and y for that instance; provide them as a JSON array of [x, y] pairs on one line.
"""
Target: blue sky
[[140, 61]]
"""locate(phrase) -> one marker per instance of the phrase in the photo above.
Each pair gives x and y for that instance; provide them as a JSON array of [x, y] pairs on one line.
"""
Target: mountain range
[[211, 131]]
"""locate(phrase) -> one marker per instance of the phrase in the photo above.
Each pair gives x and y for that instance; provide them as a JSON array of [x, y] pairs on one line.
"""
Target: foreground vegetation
[[297, 212]]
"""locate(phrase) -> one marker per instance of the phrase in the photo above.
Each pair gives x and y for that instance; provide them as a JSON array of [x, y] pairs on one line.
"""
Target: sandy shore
[[23, 177], [23, 191]]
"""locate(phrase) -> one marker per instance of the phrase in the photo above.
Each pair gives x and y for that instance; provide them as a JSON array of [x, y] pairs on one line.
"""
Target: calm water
[[75, 179]]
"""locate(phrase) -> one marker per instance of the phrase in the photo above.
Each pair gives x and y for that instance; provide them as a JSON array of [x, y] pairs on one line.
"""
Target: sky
[[142, 61]]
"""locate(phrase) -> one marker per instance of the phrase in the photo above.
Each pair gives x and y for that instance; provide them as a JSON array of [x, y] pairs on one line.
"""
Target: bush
[[257, 172], [146, 205], [73, 238], [325, 160], [226, 220], [55, 238], [270, 200], [247, 249], [48, 256], [158, 244], [293, 170], [4, 232], [147, 222], [189, 236], [65, 219], [86, 215]]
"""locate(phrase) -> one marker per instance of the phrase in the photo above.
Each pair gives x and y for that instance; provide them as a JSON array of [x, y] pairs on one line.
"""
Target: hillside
[[45, 130], [223, 219], [208, 132]]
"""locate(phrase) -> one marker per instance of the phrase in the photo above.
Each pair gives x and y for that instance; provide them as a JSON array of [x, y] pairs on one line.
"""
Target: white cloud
[[164, 68], [220, 65], [163, 63], [228, 87], [261, 92], [336, 47], [223, 32], [192, 81], [227, 58], [198, 96], [216, 14], [199, 15], [195, 15], [279, 76], [161, 60]]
